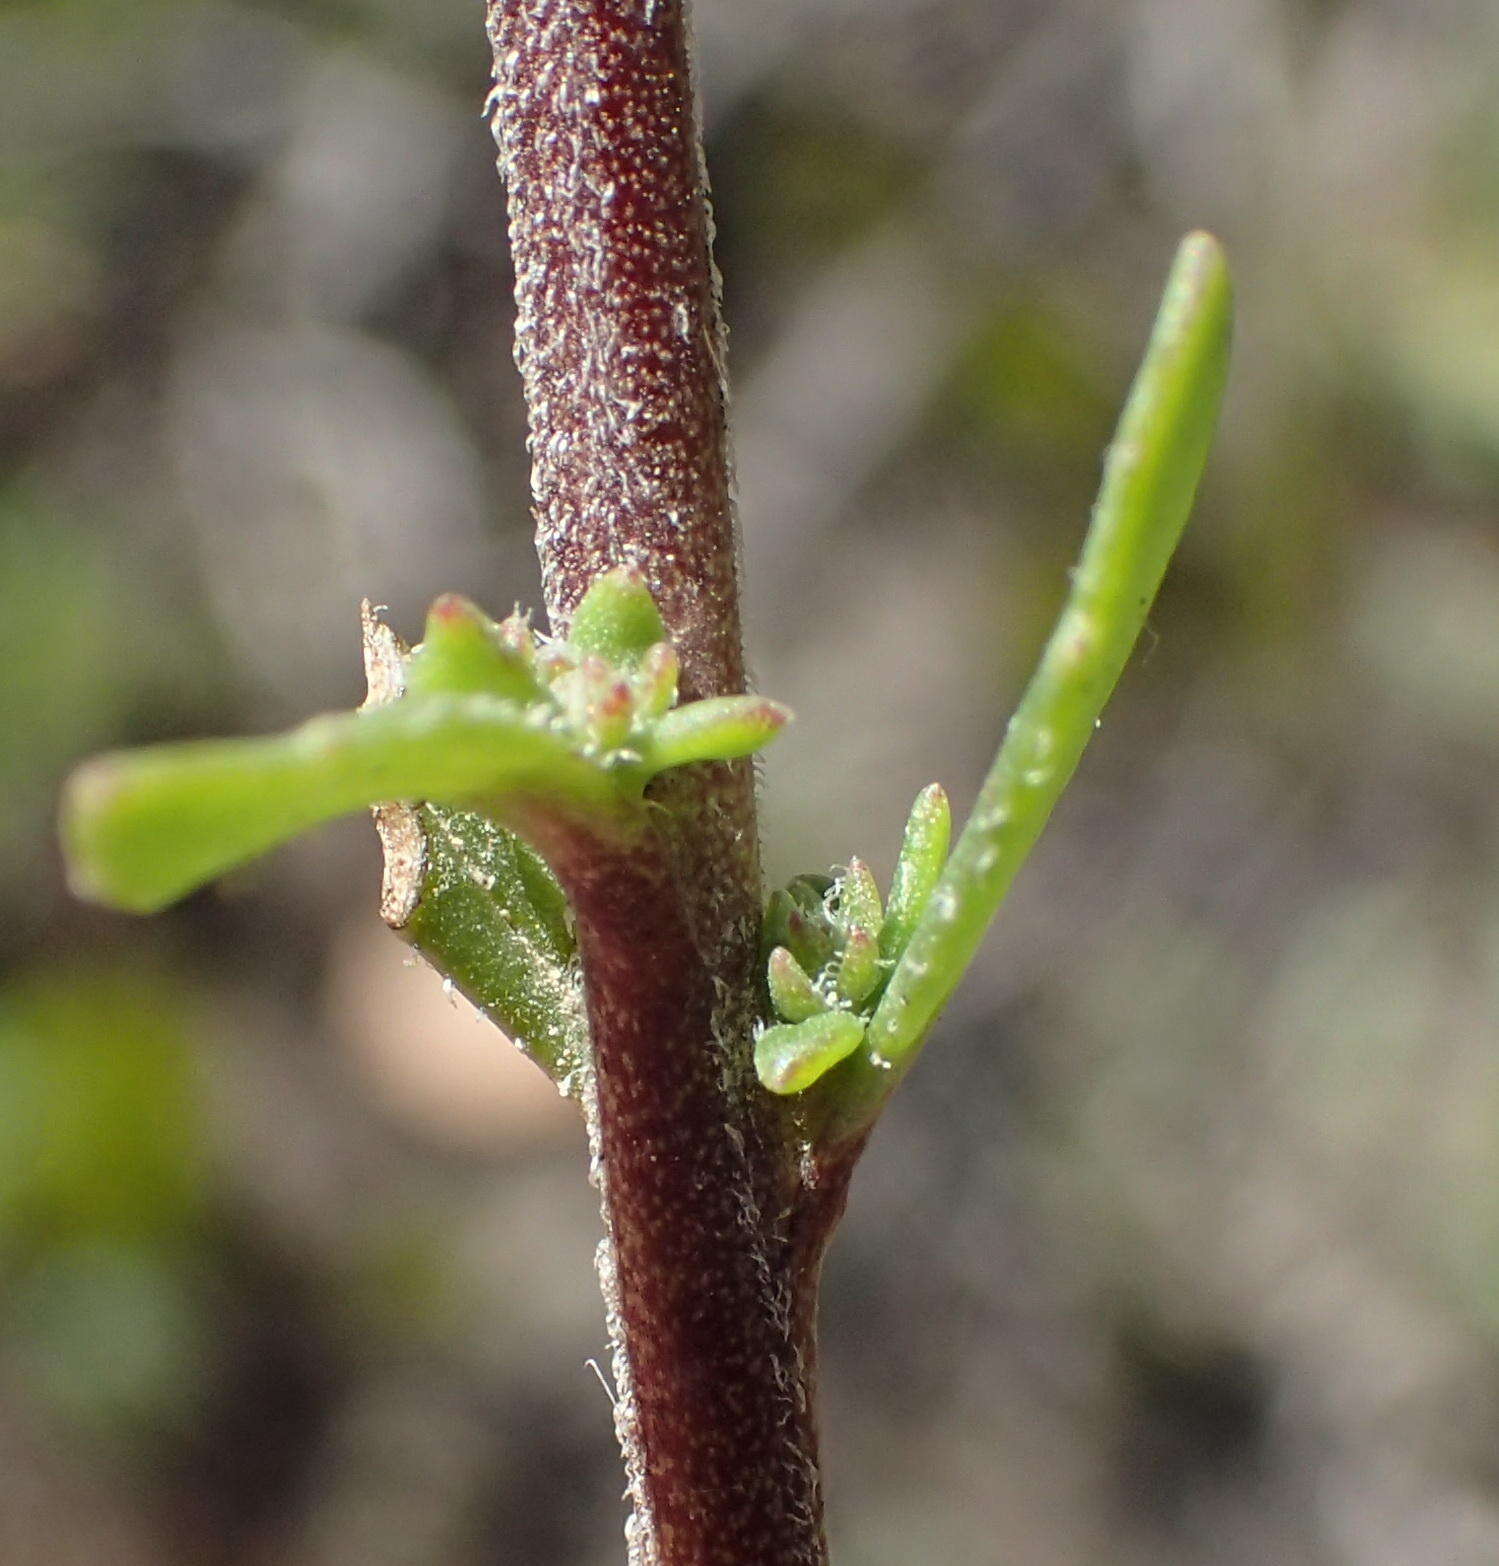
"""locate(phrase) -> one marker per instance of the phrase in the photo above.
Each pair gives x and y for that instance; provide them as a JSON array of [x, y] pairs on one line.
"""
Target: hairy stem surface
[[709, 1294], [708, 1270]]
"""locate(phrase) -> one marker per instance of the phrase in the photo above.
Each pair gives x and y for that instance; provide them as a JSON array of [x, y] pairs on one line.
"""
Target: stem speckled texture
[[707, 1274]]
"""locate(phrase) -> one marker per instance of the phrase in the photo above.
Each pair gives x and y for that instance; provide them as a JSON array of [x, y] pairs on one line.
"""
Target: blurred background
[[1182, 1246]]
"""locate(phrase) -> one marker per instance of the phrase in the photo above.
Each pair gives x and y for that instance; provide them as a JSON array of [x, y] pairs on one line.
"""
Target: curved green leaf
[[790, 1057], [1150, 477], [722, 728], [142, 828]]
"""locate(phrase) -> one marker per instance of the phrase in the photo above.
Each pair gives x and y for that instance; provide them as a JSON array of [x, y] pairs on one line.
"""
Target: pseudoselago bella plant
[[568, 818]]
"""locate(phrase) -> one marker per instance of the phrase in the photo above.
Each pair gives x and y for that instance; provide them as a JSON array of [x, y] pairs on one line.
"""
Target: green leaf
[[142, 828], [463, 653], [858, 966], [776, 930], [1150, 477], [476, 922], [790, 1057], [617, 619], [923, 852], [722, 728], [810, 890], [544, 896], [859, 902], [809, 936], [792, 993], [503, 866]]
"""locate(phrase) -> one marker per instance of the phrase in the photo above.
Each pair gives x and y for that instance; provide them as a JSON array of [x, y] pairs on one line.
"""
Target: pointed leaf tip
[[923, 852]]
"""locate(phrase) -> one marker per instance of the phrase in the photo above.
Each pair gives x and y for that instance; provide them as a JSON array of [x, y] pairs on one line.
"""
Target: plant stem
[[714, 1413], [711, 1253], [621, 350], [618, 331]]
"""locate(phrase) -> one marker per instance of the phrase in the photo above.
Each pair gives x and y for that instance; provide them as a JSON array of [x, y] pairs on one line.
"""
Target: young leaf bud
[[611, 714], [858, 966], [810, 889], [809, 940], [515, 633], [656, 680], [464, 654], [859, 899], [776, 931], [792, 993], [617, 619]]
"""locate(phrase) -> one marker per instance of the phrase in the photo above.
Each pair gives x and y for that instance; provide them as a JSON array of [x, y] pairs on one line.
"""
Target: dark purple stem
[[618, 332], [715, 1224], [711, 1295]]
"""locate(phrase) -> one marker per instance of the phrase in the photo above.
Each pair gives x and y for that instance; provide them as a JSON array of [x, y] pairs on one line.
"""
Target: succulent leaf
[[617, 619], [923, 852], [464, 653], [792, 993], [859, 902], [143, 828], [721, 728], [858, 966], [790, 1057], [809, 938]]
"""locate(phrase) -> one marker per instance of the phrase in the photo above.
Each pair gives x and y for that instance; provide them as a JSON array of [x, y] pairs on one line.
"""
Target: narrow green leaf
[[142, 828], [656, 680], [859, 899], [858, 966], [1150, 477], [923, 852], [791, 1056], [617, 619], [722, 728]]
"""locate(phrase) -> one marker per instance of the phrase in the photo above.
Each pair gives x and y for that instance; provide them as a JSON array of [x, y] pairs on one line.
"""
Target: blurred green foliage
[[102, 1193]]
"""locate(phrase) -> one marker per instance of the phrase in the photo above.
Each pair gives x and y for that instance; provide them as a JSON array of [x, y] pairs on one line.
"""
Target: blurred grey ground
[[1183, 1244]]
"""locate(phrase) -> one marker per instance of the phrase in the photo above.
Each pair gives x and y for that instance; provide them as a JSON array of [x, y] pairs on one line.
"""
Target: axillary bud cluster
[[832, 944]]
